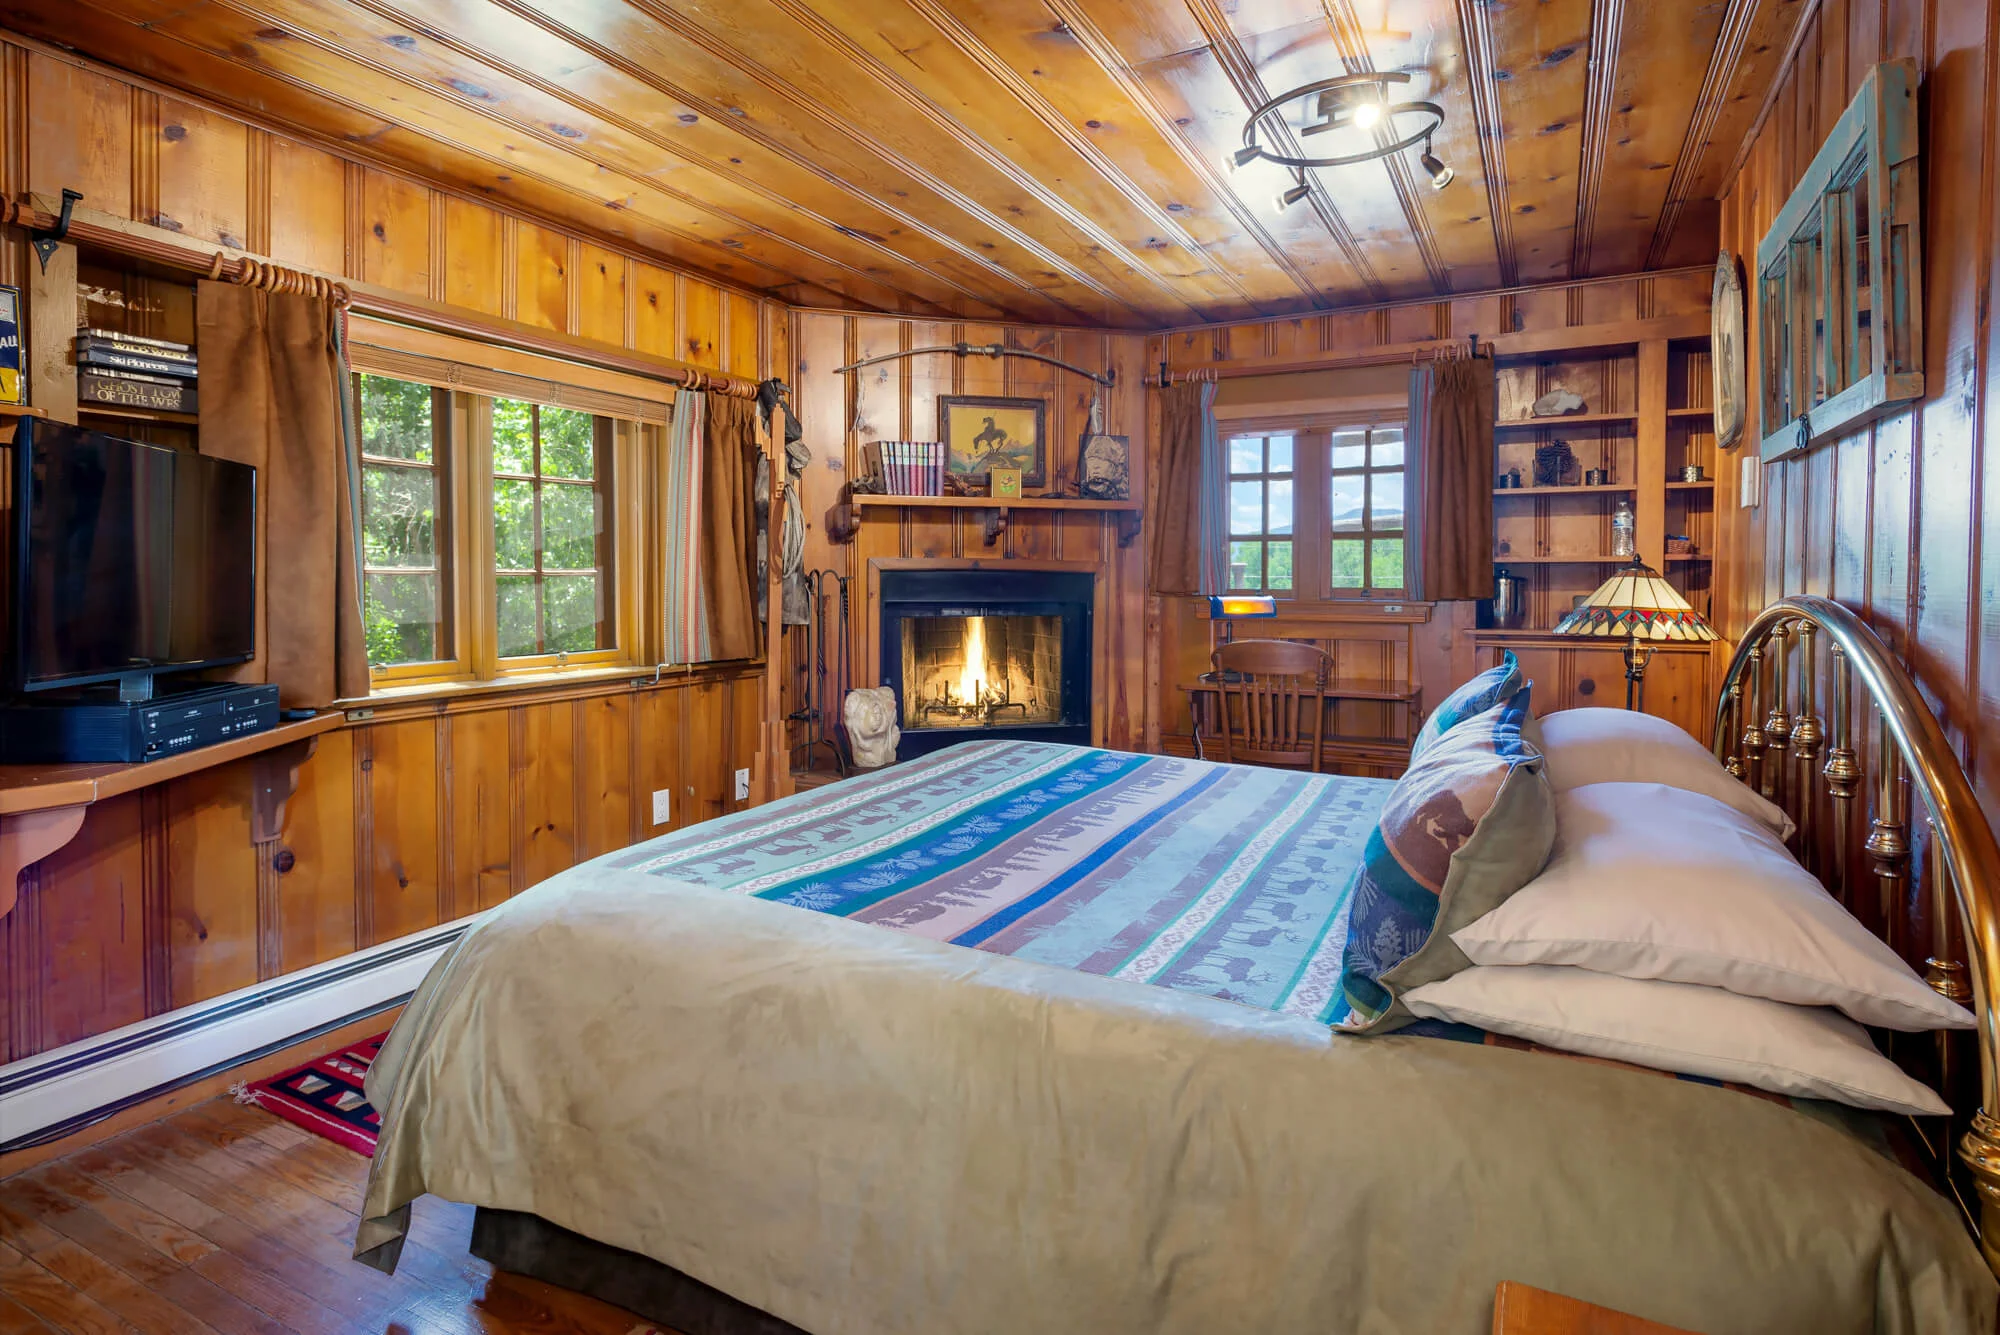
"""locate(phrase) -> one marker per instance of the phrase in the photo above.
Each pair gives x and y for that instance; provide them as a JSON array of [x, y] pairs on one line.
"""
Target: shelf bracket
[[26, 837], [1130, 523], [46, 242], [274, 778], [996, 524]]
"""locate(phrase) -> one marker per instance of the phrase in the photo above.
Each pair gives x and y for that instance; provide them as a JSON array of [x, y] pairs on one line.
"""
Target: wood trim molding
[[1714, 95], [1476, 38], [1607, 25]]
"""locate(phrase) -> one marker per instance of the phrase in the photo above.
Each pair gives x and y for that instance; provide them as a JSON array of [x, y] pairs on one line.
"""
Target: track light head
[[1441, 175], [1242, 157], [1293, 195]]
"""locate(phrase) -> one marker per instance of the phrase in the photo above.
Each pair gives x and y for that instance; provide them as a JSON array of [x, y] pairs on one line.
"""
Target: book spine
[[118, 337], [94, 388], [176, 353], [132, 361]]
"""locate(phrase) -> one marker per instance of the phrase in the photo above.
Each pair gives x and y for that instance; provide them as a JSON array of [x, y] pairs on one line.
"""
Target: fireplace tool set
[[825, 688]]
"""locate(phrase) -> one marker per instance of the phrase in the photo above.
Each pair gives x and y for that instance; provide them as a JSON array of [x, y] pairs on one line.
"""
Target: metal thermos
[[1510, 599]]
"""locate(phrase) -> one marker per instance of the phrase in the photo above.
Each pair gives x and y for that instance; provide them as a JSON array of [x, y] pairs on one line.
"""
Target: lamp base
[[1637, 655]]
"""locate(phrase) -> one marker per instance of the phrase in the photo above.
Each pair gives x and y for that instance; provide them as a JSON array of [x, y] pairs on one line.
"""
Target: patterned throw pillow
[[1484, 691], [1469, 823]]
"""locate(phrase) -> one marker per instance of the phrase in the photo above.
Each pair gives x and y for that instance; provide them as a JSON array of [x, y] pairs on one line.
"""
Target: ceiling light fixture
[[1440, 173], [1351, 102]]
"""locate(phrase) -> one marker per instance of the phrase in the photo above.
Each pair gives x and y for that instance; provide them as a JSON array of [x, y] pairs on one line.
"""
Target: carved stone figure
[[1558, 403], [872, 731]]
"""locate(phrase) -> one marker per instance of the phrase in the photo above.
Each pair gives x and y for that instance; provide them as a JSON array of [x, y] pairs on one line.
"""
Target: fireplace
[[987, 653]]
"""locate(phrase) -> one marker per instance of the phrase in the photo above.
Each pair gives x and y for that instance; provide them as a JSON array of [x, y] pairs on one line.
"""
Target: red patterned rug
[[325, 1096]]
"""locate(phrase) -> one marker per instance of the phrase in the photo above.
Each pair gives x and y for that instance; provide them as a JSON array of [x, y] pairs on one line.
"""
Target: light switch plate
[[662, 806], [742, 784]]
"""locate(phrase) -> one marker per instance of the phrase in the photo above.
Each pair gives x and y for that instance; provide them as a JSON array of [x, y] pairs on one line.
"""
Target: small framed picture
[[1004, 482], [981, 434], [13, 362]]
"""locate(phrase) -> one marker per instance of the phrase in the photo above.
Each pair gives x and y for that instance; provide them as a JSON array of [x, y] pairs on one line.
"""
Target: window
[[1316, 511], [1260, 512], [406, 599], [1364, 513], [550, 516], [490, 542]]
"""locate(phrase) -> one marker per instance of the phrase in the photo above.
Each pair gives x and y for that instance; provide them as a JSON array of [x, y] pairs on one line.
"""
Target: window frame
[[1311, 476], [451, 663], [603, 481], [1264, 477], [463, 450]]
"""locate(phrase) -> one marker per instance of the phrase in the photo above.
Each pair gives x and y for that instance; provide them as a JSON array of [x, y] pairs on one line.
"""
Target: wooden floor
[[224, 1219]]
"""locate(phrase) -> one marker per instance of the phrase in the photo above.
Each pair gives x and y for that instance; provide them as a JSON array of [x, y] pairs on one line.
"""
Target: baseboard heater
[[65, 1089]]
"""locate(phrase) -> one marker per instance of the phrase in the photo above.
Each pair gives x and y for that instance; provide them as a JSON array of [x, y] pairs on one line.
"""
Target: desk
[[42, 806], [1205, 697]]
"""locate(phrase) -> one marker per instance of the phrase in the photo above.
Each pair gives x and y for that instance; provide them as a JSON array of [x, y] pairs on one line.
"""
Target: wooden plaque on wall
[[1725, 352]]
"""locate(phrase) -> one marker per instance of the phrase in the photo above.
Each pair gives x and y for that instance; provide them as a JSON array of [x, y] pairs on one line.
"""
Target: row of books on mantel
[[129, 371], [906, 467]]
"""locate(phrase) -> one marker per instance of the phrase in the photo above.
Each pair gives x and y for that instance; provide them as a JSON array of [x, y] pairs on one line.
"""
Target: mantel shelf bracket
[[996, 524], [26, 837], [995, 350]]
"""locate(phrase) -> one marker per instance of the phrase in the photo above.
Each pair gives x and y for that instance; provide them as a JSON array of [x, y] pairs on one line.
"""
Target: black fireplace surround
[[1067, 595]]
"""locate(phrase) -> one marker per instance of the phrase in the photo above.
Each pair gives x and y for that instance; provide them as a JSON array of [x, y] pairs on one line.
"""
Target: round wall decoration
[[1725, 352]]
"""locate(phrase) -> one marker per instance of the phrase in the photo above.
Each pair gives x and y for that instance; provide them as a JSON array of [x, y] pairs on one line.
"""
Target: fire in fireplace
[[979, 671], [989, 653]]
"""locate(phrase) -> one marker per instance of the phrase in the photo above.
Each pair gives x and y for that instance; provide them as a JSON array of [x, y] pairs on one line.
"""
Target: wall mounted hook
[[46, 242]]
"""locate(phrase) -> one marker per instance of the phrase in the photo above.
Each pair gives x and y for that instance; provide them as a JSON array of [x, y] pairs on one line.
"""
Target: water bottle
[[1624, 540]]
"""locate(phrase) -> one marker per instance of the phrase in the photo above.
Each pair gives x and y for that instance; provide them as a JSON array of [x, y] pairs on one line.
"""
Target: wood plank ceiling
[[1057, 161]]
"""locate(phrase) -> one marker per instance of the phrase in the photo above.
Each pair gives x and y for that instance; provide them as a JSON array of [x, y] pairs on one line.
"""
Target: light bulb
[[1366, 114]]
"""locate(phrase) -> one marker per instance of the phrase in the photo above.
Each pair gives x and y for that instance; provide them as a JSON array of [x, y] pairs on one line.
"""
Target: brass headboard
[[1769, 733]]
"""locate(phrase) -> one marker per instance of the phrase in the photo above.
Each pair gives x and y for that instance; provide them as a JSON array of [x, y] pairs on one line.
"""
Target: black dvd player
[[73, 731]]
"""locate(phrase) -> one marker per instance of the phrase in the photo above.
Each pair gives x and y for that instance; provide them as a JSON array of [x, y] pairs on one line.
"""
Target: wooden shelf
[[1561, 560], [1564, 491], [42, 806], [1707, 484], [1573, 419], [1690, 412], [994, 502], [1690, 559], [20, 410], [1538, 636], [155, 415]]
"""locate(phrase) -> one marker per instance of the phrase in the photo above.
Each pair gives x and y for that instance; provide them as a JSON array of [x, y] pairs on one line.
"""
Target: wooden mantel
[[43, 806]]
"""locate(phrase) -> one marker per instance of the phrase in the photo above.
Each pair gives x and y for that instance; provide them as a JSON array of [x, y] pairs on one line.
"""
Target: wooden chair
[[1265, 709]]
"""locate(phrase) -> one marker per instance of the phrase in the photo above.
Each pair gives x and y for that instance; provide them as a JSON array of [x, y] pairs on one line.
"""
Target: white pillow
[[1648, 881], [1803, 1051], [1619, 745]]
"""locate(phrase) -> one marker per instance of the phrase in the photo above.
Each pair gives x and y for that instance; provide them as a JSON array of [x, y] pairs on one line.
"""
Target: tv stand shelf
[[42, 806]]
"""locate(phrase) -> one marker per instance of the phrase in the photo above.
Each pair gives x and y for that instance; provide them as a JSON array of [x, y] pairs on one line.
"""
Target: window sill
[[561, 681], [1401, 611]]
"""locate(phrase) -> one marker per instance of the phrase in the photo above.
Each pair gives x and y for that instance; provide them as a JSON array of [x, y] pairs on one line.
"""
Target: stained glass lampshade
[[1636, 606], [1636, 603]]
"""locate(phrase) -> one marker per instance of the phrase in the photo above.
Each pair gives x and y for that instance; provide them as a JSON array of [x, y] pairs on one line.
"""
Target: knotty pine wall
[[1894, 520], [1429, 644], [898, 401], [427, 811]]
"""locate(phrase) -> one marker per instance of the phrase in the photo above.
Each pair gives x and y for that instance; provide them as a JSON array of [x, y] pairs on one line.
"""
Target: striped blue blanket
[[1207, 878]]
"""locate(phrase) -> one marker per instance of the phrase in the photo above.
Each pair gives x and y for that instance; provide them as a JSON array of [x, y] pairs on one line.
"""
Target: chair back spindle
[[1271, 707]]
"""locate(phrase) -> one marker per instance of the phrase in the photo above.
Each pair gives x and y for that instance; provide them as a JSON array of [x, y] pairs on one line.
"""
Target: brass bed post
[[1730, 736], [1753, 729], [1777, 724], [1842, 774], [1807, 735], [1962, 864]]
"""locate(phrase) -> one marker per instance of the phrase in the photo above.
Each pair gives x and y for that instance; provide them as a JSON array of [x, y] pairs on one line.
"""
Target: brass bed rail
[[1770, 734]]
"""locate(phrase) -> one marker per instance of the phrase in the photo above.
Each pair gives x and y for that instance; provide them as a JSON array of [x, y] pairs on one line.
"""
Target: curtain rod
[[220, 266], [995, 350]]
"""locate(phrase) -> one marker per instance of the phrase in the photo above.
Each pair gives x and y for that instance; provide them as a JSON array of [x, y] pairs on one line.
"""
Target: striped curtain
[[685, 611], [1214, 499]]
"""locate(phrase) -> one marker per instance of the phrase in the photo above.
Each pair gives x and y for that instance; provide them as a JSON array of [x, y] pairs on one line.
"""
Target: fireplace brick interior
[[981, 671]]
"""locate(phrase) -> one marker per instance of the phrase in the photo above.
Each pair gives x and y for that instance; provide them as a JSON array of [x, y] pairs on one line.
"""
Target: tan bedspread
[[866, 1132]]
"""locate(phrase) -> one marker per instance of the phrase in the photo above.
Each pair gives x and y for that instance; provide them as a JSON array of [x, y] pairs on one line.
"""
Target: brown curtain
[[728, 525], [274, 395], [1451, 412], [1187, 430]]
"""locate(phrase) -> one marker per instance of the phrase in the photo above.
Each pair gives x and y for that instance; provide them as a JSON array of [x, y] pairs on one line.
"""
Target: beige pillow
[[1802, 1051], [1648, 881], [1584, 746]]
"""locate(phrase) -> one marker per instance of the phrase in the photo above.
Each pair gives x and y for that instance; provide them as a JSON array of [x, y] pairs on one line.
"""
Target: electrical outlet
[[662, 806], [742, 784]]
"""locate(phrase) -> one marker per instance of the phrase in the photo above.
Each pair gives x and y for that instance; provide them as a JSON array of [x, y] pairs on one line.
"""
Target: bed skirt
[[527, 1244]]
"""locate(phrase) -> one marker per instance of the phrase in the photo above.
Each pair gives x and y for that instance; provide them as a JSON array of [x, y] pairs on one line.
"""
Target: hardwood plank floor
[[224, 1220]]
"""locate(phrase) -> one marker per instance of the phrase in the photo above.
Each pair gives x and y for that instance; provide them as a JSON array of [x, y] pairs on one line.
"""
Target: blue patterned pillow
[[1469, 823], [1484, 691]]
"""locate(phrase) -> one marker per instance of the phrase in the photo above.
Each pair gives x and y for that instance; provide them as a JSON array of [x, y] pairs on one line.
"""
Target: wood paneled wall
[[898, 401], [423, 813], [1429, 645], [146, 155]]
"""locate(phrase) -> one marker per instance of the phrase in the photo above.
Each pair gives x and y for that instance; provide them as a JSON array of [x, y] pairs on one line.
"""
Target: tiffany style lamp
[[1638, 606]]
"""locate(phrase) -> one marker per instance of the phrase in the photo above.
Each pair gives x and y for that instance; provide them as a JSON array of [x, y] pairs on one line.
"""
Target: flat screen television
[[128, 559]]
